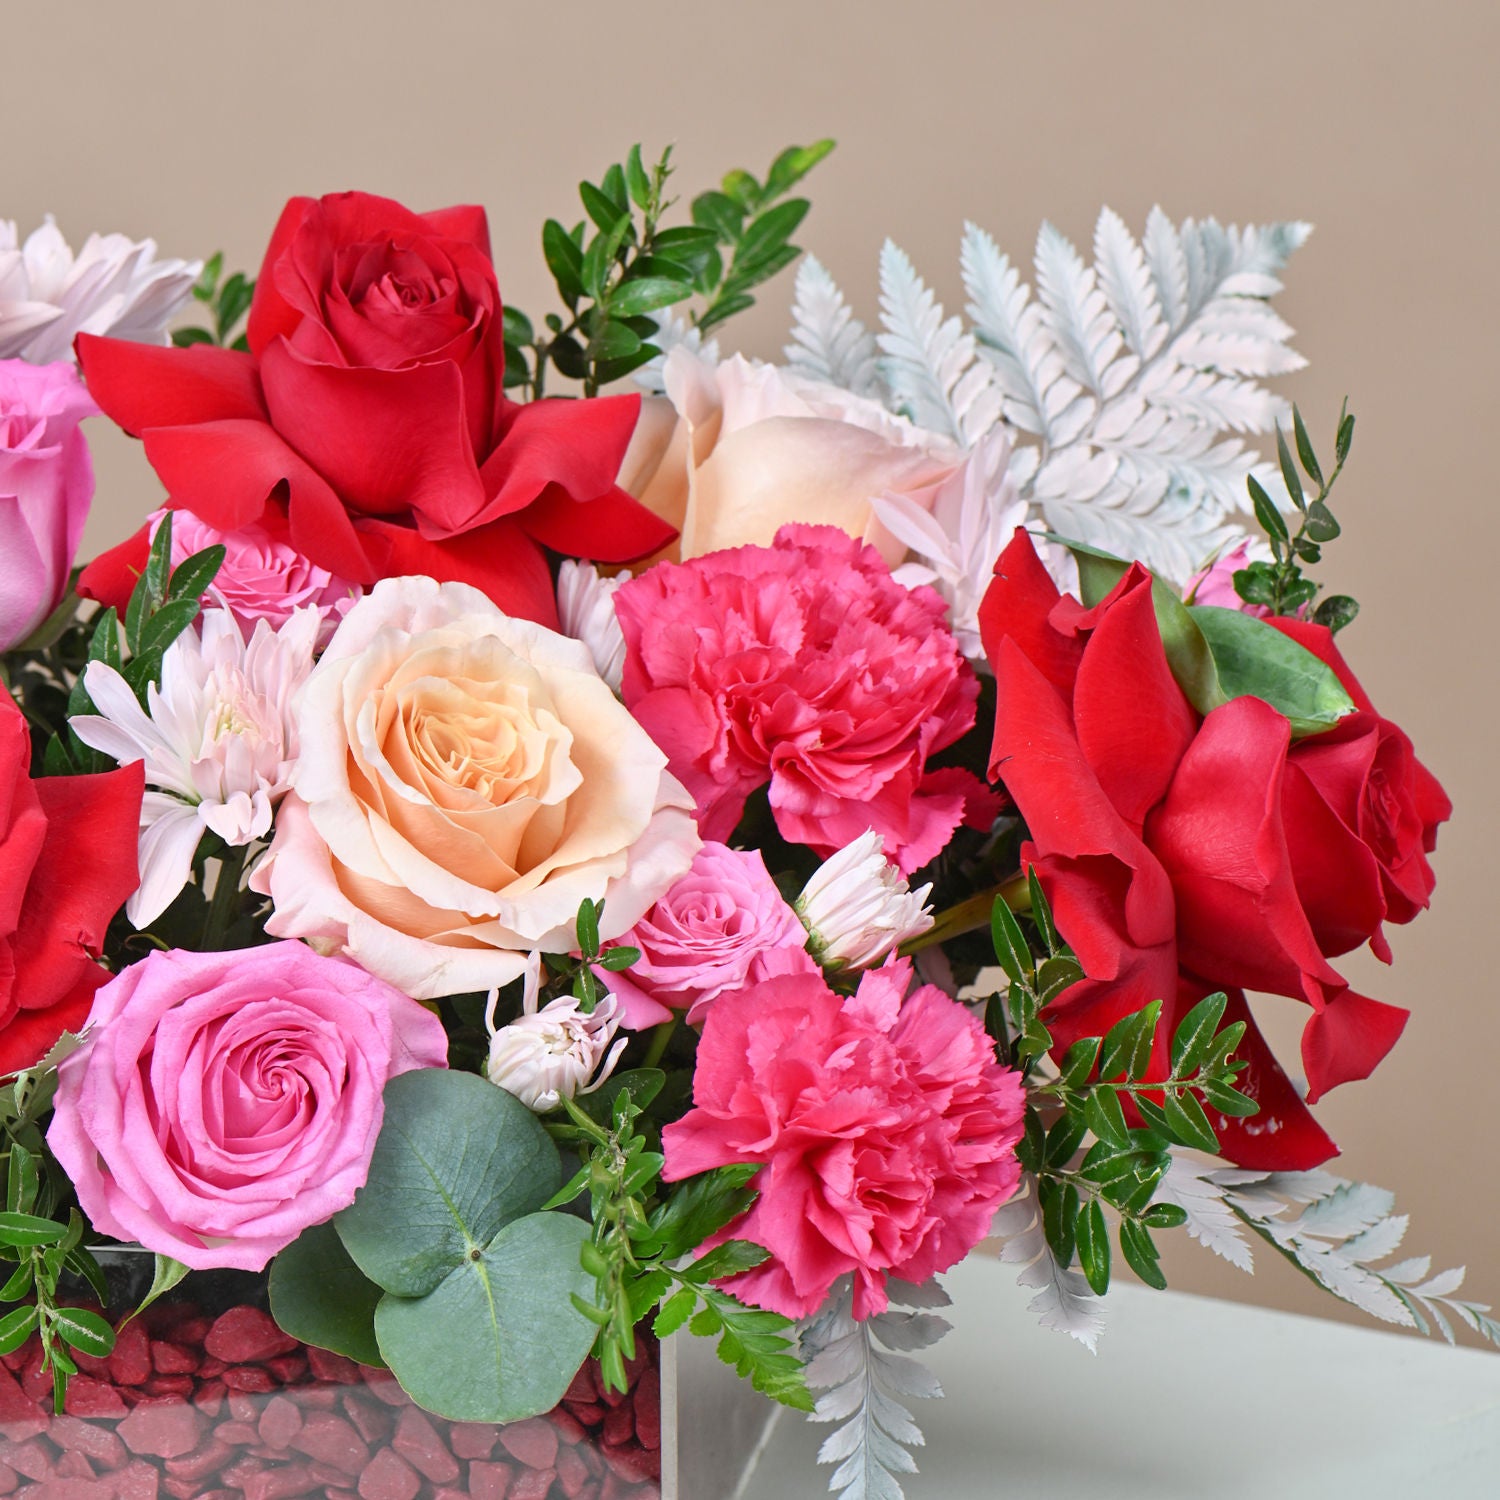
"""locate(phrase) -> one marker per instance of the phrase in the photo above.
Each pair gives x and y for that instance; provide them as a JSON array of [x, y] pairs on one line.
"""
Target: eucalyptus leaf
[[318, 1295]]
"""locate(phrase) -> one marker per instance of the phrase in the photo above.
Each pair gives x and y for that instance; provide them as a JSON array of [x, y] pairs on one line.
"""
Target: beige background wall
[[1377, 120]]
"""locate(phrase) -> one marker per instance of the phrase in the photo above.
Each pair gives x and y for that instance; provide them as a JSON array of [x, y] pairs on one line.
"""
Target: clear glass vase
[[204, 1398]]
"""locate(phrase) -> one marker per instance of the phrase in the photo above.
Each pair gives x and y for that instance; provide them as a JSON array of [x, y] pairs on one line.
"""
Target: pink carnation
[[886, 1133], [805, 665], [262, 577], [224, 1102], [723, 926]]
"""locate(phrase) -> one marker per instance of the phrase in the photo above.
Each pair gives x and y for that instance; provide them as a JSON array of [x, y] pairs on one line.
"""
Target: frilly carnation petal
[[221, 1103], [467, 779]]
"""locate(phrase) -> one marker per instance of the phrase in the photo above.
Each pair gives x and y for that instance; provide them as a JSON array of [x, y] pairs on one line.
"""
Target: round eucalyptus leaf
[[456, 1160], [320, 1296], [499, 1338]]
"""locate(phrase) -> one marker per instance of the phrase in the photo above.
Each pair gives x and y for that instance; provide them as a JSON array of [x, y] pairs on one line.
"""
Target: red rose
[[370, 410], [1184, 855], [67, 863]]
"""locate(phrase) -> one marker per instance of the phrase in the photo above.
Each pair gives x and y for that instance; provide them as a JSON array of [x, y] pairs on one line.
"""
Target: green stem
[[971, 914], [659, 1039], [225, 906]]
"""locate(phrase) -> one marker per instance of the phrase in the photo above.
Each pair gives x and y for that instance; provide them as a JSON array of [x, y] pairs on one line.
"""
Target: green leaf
[[588, 929], [165, 1275], [1041, 911], [193, 575], [1078, 1062], [1289, 474], [185, 338], [1321, 526], [615, 959], [499, 1339], [1305, 448], [613, 340], [1271, 520], [208, 278], [1228, 1100], [768, 232], [516, 326], [564, 260], [1064, 1139], [167, 624], [1012, 952], [82, 1264], [1345, 439], [1127, 1044], [642, 1085], [643, 294], [320, 1296], [1187, 1122], [20, 1283], [637, 181], [676, 1310], [1256, 584], [1093, 1247], [1253, 659], [1140, 1253], [24, 1230], [793, 165], [16, 1327], [1104, 1115], [1165, 1216], [691, 247], [234, 300], [455, 1161], [697, 1208], [757, 1344], [22, 1180], [600, 207], [1031, 1147], [742, 188], [1336, 611], [1194, 1037], [728, 1259], [1059, 1217], [84, 1330], [720, 213], [1054, 975], [724, 309]]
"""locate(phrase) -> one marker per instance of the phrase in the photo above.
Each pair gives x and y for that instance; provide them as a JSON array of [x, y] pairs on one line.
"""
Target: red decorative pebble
[[164, 1431], [418, 1443], [244, 1408], [73, 1466], [209, 1397], [89, 1438], [139, 1481], [281, 1483], [619, 1426], [208, 1458], [591, 1414], [472, 1439], [245, 1334], [572, 1473], [211, 1367], [326, 1365], [331, 1440], [569, 1428], [648, 1408], [331, 1478], [30, 1458], [88, 1397], [382, 1385], [172, 1359], [532, 1485], [237, 1434], [169, 1385], [490, 1481], [533, 1442], [374, 1421], [130, 1363], [280, 1422], [388, 1476], [249, 1378]]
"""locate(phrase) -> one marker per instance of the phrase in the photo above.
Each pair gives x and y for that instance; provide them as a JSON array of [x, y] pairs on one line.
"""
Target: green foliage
[[447, 1262], [1098, 1134], [1281, 586], [40, 1248], [618, 266], [226, 303]]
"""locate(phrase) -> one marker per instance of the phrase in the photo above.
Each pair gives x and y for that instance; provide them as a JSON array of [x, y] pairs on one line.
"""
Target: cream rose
[[735, 450], [466, 780]]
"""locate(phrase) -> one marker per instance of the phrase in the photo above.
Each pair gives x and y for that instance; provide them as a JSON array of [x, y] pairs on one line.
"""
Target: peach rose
[[736, 450], [466, 779]]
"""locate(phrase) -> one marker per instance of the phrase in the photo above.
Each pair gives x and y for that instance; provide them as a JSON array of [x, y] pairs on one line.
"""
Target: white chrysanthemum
[[586, 612], [555, 1053], [114, 285], [857, 907], [219, 742]]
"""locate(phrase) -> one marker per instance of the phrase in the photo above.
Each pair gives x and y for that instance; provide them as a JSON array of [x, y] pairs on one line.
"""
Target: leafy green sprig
[[1281, 586], [226, 304], [638, 1238], [163, 604], [619, 265], [1085, 1102]]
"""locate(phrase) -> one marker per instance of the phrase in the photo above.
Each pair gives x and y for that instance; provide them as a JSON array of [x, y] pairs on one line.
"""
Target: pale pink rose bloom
[[1215, 583], [885, 1132], [466, 779], [735, 450], [46, 484], [262, 577], [222, 1103], [723, 926]]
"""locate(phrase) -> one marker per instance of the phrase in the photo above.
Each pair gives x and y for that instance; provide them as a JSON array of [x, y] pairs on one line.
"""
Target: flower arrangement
[[536, 871]]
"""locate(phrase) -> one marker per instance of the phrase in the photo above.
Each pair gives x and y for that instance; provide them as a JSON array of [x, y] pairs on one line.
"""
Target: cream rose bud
[[466, 780], [736, 450], [858, 907]]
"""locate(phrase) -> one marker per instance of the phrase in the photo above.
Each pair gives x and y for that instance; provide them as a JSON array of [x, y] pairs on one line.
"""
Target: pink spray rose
[[805, 665], [721, 927], [886, 1133], [223, 1102], [46, 484]]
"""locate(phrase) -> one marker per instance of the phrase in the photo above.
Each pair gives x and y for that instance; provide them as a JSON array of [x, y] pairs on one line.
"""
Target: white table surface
[[1304, 1408]]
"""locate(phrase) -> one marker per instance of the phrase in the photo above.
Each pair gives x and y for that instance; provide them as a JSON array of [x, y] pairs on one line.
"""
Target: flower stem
[[972, 913], [660, 1036], [225, 906]]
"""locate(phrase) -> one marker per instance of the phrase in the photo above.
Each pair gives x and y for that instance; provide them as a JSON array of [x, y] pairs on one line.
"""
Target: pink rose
[[722, 926], [1215, 583], [807, 666], [46, 484], [223, 1102], [886, 1133]]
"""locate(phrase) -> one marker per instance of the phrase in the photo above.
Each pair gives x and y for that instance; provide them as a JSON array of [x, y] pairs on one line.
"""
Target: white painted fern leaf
[[670, 332], [828, 342], [929, 364], [1063, 1301], [1337, 1232], [864, 1383]]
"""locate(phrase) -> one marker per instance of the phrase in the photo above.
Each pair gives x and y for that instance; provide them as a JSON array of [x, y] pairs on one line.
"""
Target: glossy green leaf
[[1141, 1254], [1187, 1121], [1290, 477], [1305, 448], [564, 260], [16, 1327], [1092, 1245], [84, 1330], [1012, 951], [1194, 1037], [1103, 1114], [24, 1230]]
